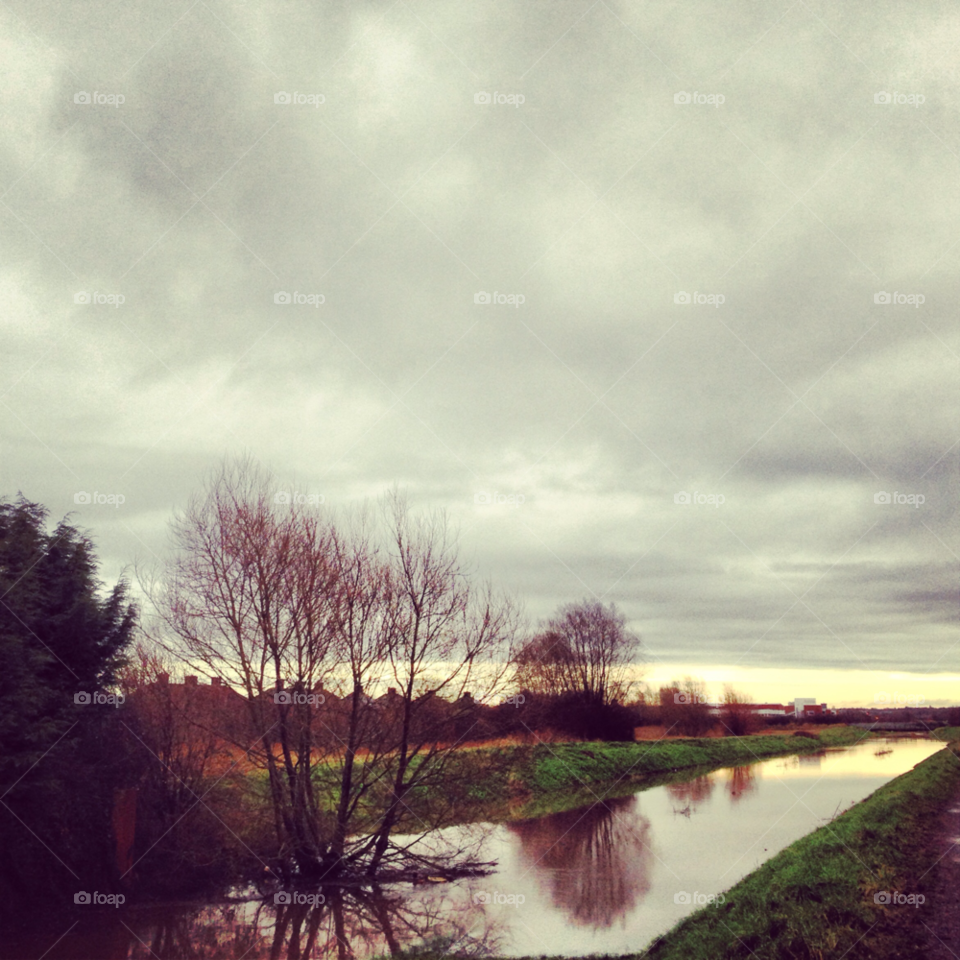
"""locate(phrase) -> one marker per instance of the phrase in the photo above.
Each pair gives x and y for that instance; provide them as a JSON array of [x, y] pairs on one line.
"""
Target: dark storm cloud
[[602, 399]]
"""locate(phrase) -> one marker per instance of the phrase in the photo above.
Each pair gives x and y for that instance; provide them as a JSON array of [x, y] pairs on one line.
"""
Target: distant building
[[808, 707], [800, 708]]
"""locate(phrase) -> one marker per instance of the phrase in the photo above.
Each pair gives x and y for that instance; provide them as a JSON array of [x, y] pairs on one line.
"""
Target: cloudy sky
[[657, 300]]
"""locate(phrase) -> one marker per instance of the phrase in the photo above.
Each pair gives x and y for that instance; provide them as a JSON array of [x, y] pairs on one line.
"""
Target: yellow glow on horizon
[[836, 688]]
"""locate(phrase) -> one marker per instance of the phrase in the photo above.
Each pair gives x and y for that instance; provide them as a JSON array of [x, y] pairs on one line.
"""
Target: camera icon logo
[[682, 497], [283, 696], [82, 698], [482, 498], [882, 497], [682, 698], [681, 897], [681, 296], [882, 97], [281, 296], [81, 897], [481, 97], [82, 296], [81, 97], [481, 897], [82, 497], [882, 697], [882, 896], [682, 97], [281, 496], [881, 297], [281, 897], [481, 297], [282, 97]]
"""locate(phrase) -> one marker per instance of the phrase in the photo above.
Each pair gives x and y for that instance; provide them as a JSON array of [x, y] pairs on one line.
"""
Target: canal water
[[603, 878]]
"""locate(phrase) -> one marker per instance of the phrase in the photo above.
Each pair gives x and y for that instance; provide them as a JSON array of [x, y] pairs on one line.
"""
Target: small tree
[[585, 651], [736, 716], [684, 708]]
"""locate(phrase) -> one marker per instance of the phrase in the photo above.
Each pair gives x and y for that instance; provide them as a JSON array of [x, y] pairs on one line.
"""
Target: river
[[602, 878]]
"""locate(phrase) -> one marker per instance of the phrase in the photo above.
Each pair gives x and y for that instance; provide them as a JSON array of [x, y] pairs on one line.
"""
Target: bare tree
[[586, 650], [248, 598], [684, 707], [284, 603], [736, 715], [448, 638]]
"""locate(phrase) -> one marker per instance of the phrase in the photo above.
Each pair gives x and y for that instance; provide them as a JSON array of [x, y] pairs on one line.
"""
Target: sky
[[657, 301]]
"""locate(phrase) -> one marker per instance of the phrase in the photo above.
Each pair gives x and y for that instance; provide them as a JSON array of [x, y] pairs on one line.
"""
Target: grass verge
[[521, 781], [947, 734], [817, 897]]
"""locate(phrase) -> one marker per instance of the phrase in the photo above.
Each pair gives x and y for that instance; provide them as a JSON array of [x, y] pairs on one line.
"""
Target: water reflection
[[355, 924], [691, 794], [595, 861], [364, 923], [740, 780]]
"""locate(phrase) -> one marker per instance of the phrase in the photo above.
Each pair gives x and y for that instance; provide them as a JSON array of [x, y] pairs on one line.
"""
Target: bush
[[586, 718], [738, 722]]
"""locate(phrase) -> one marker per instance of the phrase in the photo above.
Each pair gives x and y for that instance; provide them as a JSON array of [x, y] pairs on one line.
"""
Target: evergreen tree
[[60, 759]]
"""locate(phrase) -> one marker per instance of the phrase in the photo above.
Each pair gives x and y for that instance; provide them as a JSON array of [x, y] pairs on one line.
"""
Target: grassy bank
[[519, 781], [946, 734], [816, 898], [522, 781]]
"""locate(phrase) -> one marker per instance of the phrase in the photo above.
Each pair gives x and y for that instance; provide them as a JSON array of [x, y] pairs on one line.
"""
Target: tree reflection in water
[[595, 860], [358, 923], [691, 793], [740, 780]]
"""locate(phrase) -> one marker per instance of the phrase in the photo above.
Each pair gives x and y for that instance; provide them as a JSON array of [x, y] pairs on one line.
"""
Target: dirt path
[[942, 921]]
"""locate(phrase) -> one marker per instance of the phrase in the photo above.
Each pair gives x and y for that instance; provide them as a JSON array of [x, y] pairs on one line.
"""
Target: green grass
[[947, 734], [522, 781]]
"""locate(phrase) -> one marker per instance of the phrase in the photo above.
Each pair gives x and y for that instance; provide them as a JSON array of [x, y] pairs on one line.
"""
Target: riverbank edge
[[523, 781]]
